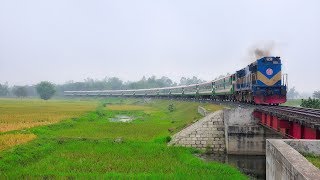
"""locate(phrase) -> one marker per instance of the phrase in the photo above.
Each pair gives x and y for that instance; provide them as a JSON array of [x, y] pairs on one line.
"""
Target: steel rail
[[296, 110]]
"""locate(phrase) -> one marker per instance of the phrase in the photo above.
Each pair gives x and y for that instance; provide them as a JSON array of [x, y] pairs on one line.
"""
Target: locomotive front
[[270, 86]]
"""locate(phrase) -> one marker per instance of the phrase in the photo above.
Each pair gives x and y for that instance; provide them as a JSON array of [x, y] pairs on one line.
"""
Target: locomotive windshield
[[271, 60]]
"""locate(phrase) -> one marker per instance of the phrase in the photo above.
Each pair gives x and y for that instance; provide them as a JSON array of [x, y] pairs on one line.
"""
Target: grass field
[[19, 114], [293, 102], [25, 113], [314, 159], [92, 147]]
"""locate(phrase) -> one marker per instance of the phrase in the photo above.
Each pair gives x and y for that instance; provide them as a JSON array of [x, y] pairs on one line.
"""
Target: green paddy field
[[75, 139]]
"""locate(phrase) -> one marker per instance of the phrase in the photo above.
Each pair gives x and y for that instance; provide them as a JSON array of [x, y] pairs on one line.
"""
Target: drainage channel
[[253, 166]]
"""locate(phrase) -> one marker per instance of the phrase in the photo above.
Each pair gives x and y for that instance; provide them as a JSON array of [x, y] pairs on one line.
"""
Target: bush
[[171, 107], [163, 139], [311, 103]]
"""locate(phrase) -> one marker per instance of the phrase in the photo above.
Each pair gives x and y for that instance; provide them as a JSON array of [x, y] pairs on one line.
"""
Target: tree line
[[89, 84], [44, 89]]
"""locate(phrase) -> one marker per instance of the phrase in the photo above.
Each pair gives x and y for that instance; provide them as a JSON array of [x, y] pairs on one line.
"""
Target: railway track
[[306, 116], [298, 110]]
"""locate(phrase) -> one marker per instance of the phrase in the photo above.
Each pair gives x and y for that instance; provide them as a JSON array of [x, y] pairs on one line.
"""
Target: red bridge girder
[[287, 128]]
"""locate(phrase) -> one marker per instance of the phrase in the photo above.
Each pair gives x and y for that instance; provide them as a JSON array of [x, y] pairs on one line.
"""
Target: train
[[261, 82]]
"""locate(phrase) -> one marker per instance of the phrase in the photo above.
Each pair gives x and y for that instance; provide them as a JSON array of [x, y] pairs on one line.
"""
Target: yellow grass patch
[[212, 107], [10, 140], [16, 114]]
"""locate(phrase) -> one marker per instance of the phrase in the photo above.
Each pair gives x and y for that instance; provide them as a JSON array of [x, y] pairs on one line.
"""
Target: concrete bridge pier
[[243, 134], [234, 131]]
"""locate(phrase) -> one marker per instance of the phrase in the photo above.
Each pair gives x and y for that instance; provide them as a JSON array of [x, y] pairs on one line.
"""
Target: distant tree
[[20, 91], [115, 83], [31, 90], [188, 81], [316, 94], [4, 89], [45, 89], [292, 93], [151, 82], [165, 82]]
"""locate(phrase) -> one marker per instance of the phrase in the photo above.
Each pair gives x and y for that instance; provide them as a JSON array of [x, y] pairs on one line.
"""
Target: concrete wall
[[242, 133], [284, 162], [239, 116], [207, 133], [305, 145]]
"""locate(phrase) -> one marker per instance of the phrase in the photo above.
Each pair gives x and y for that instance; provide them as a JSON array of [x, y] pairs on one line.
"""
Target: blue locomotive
[[261, 82]]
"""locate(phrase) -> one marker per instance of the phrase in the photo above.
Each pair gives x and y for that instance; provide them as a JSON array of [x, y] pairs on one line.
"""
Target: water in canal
[[121, 118], [253, 166]]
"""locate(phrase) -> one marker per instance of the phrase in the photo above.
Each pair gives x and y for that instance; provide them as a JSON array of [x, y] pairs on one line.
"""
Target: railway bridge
[[290, 122]]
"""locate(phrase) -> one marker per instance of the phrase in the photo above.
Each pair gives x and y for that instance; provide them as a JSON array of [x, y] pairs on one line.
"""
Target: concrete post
[[263, 118], [269, 118], [275, 123], [283, 125], [296, 130]]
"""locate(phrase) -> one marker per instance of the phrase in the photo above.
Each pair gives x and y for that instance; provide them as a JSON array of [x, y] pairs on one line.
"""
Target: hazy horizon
[[60, 40]]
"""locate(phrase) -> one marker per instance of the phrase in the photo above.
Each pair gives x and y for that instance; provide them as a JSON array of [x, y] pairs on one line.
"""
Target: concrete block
[[284, 162], [220, 129]]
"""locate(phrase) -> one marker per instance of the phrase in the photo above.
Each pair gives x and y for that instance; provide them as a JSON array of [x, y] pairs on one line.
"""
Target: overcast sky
[[63, 40]]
